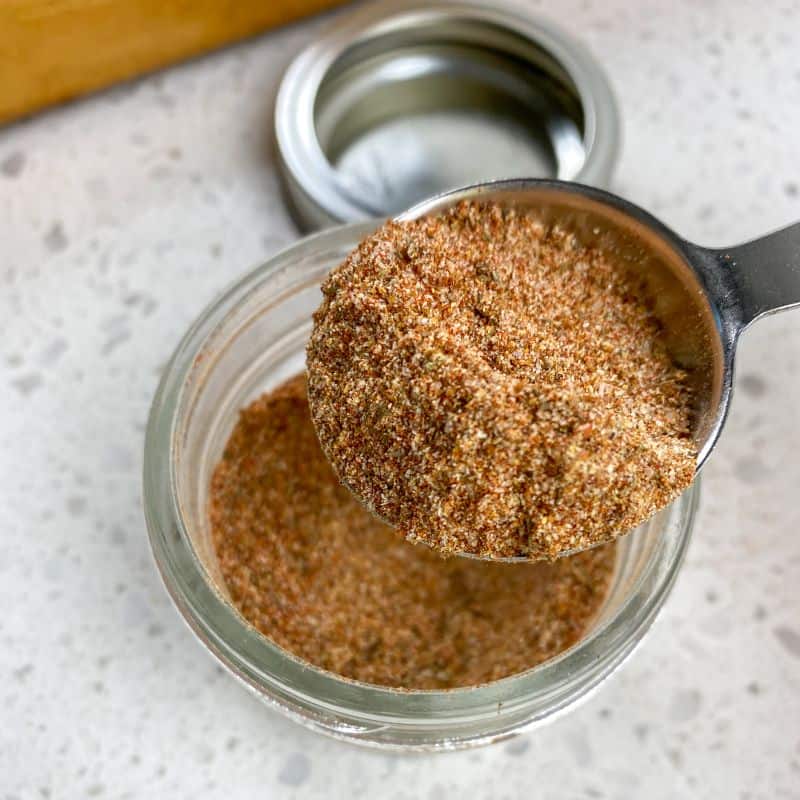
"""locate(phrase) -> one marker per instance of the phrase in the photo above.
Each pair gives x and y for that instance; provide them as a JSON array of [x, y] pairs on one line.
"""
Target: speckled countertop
[[121, 216]]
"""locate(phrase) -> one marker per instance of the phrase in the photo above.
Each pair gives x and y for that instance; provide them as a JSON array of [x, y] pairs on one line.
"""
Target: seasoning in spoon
[[320, 576], [488, 385]]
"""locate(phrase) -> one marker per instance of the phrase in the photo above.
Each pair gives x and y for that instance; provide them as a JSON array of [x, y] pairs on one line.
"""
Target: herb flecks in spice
[[488, 385], [314, 571]]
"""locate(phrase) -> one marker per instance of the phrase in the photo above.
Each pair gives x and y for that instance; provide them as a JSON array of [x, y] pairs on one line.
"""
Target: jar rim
[[308, 692]]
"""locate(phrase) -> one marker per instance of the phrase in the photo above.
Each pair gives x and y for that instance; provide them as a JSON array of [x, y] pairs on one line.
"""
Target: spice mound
[[488, 385], [315, 572]]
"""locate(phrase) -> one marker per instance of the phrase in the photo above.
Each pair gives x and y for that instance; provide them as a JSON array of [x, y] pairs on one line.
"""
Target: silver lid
[[399, 102]]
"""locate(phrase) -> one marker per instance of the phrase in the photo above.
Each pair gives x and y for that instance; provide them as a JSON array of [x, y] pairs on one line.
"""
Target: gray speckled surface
[[121, 216]]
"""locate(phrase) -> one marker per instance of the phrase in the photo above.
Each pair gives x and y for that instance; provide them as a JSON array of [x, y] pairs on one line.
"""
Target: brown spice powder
[[315, 572], [488, 385]]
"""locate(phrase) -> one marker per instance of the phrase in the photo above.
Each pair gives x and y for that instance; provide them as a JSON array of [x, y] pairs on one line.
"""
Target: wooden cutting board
[[54, 50]]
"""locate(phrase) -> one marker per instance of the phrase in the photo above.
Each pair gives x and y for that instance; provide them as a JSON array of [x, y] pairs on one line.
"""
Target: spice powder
[[488, 385], [320, 576]]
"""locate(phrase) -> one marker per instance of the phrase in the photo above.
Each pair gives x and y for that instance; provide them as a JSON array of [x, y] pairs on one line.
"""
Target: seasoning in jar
[[320, 576], [488, 385]]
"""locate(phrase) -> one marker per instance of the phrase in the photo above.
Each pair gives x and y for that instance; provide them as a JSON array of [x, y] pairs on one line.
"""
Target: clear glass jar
[[250, 340]]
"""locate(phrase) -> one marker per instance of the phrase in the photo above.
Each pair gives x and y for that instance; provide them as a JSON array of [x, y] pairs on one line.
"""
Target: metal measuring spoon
[[704, 297]]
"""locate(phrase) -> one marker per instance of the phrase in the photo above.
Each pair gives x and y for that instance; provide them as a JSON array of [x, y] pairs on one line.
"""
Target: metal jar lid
[[399, 102]]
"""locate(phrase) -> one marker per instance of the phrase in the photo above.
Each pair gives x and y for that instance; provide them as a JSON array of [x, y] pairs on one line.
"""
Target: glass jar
[[250, 340]]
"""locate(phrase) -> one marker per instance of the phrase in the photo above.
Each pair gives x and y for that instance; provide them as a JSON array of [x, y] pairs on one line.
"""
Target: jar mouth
[[328, 702]]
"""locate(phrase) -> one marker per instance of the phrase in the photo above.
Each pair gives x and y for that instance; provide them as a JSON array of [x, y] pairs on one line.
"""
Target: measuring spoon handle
[[765, 272]]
